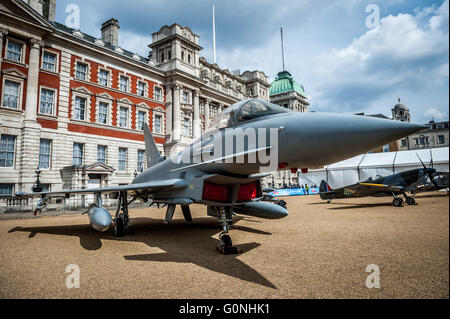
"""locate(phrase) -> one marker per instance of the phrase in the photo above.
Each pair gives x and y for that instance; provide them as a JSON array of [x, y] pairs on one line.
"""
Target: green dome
[[285, 83]]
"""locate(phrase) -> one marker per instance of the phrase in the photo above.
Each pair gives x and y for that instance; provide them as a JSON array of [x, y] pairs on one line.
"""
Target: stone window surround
[[20, 102], [83, 93], [142, 107], [109, 80], [88, 70], [126, 104], [104, 99], [56, 60], [162, 93], [145, 88], [128, 83], [158, 112], [55, 101], [23, 43]]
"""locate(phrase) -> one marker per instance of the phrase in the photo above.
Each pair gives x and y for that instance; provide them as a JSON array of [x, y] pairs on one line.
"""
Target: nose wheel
[[226, 245]]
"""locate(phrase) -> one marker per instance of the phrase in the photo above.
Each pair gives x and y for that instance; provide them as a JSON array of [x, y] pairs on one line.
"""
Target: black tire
[[410, 201], [225, 241], [118, 228], [397, 202]]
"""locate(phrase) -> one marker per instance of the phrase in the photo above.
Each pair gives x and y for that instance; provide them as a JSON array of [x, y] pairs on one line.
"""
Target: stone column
[[33, 83], [169, 113], [3, 34], [176, 130], [197, 122], [207, 103]]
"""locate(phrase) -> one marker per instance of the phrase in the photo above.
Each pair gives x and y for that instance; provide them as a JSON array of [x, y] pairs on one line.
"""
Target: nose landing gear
[[226, 245]]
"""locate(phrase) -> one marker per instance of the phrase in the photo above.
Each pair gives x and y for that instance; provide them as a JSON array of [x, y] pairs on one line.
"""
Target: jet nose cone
[[317, 139]]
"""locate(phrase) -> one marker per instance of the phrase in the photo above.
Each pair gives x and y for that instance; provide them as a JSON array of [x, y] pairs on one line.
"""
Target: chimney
[[110, 32], [48, 10]]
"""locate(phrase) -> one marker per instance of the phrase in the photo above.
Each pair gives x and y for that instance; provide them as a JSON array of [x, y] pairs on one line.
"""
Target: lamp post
[[37, 188]]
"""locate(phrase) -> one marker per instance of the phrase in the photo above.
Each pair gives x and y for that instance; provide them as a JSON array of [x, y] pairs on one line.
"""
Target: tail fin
[[324, 187], [151, 151]]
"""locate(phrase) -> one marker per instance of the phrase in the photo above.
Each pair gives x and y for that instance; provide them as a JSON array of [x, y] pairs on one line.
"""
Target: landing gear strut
[[121, 221], [410, 200], [226, 245]]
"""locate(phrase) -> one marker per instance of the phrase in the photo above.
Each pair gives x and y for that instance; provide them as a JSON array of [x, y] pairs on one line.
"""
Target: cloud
[[435, 114], [400, 54]]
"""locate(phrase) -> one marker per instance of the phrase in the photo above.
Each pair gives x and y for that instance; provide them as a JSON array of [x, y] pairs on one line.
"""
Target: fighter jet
[[223, 168], [392, 185]]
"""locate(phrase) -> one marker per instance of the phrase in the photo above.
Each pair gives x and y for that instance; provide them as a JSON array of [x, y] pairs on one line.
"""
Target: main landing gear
[[121, 221], [398, 202], [226, 245]]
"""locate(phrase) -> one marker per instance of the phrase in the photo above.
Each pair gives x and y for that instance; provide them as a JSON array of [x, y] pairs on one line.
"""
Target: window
[[441, 139], [78, 149], [14, 51], [140, 163], [47, 101], [123, 117], [404, 142], [81, 71], [182, 55], [44, 153], [141, 120], [7, 146], [186, 127], [11, 94], [103, 112], [158, 94], [49, 61], [185, 98], [158, 119], [189, 58], [80, 108], [141, 88], [103, 77], [386, 148], [101, 154], [161, 57], [122, 159], [6, 189], [169, 54], [123, 83]]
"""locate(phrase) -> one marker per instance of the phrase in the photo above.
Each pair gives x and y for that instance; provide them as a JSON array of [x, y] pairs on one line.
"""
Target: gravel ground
[[319, 251]]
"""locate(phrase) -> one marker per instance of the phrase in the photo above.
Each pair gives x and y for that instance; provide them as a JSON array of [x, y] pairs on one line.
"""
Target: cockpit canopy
[[245, 111]]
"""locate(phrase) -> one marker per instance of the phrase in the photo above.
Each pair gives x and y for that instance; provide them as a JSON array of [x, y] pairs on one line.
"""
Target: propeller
[[430, 175]]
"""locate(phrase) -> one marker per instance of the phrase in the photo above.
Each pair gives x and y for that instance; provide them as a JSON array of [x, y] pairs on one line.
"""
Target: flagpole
[[214, 34]]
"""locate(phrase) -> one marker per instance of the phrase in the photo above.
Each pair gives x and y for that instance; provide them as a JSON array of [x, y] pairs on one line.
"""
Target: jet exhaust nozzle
[[99, 218], [262, 210]]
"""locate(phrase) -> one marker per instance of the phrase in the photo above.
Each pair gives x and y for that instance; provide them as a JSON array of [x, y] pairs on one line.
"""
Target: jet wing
[[149, 187]]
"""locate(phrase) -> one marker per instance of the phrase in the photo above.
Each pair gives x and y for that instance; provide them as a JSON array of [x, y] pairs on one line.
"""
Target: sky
[[350, 55]]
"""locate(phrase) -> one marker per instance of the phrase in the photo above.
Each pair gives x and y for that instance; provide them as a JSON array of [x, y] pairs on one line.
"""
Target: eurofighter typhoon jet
[[223, 168]]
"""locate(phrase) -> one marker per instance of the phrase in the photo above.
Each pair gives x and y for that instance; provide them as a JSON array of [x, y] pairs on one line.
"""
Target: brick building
[[74, 105]]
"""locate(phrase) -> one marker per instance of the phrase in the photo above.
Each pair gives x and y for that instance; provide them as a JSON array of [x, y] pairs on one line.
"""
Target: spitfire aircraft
[[223, 168], [392, 185]]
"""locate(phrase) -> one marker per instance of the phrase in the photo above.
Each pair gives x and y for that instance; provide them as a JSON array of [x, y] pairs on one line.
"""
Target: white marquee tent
[[361, 167]]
